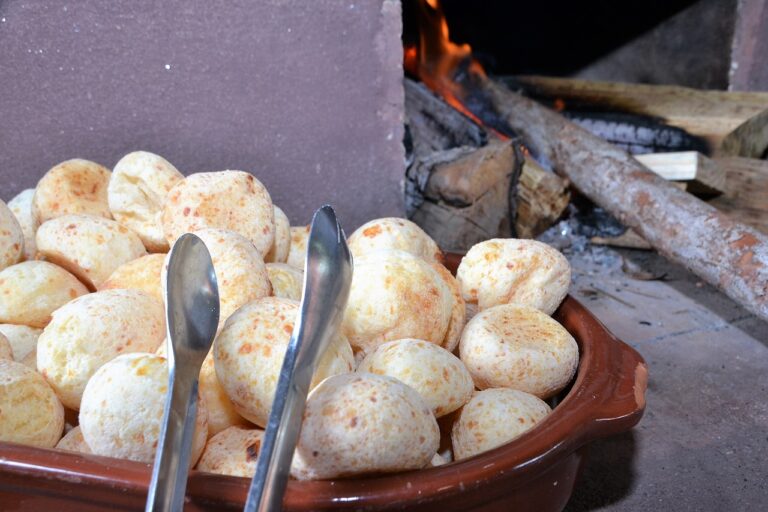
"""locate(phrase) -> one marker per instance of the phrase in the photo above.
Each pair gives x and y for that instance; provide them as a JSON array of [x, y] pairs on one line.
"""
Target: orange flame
[[438, 58]]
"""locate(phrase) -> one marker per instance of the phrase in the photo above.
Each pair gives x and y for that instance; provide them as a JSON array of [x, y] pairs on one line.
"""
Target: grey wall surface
[[306, 95]]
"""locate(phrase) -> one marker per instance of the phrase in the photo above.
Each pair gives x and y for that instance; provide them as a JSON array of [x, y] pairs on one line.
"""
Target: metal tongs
[[192, 315], [327, 278]]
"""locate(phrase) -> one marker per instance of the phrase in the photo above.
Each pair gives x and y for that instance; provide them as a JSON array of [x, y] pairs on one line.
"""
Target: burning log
[[464, 185], [460, 187], [727, 254]]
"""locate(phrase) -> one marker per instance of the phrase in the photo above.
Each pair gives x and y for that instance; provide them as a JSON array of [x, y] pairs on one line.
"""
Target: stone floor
[[703, 442]]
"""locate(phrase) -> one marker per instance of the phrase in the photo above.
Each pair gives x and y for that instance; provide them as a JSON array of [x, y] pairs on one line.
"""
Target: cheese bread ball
[[278, 253], [503, 271], [76, 186], [297, 251], [241, 274], [136, 194], [394, 233], [221, 412], [287, 280], [233, 200], [6, 351], [458, 309], [30, 413], [233, 452], [122, 410], [89, 247], [73, 441], [249, 353], [363, 423], [92, 330], [11, 238], [396, 295], [143, 274], [494, 417], [23, 340], [440, 377], [519, 347], [31, 290], [21, 206]]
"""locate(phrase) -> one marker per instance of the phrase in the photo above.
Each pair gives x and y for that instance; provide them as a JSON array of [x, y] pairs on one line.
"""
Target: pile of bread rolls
[[82, 327]]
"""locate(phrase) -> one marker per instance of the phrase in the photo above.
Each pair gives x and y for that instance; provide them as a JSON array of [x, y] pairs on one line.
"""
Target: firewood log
[[442, 142]]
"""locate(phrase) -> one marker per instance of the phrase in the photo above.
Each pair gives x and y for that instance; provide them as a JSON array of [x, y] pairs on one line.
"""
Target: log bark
[[725, 253]]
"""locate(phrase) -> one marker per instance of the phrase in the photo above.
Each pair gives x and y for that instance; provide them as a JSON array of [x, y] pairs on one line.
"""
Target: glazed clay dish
[[535, 472]]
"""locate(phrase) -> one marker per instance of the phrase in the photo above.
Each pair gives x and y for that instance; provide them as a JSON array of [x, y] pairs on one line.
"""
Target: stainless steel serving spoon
[[192, 315], [327, 278]]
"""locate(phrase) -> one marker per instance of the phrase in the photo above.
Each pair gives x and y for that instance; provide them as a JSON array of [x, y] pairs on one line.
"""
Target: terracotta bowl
[[535, 472]]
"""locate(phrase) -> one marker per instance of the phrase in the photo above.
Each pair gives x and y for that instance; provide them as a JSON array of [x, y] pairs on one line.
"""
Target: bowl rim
[[607, 397]]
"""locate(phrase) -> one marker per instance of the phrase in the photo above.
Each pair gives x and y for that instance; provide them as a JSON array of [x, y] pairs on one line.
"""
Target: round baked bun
[[240, 270], [140, 274], [297, 250], [440, 377], [136, 193], [282, 244], [73, 441], [363, 423], [519, 347], [232, 200], [73, 187], [21, 206], [233, 452], [92, 330], [287, 280], [503, 271], [23, 341], [394, 233], [30, 413], [31, 290], [11, 238], [89, 247], [396, 295], [494, 417], [221, 412], [458, 309], [6, 351], [122, 409], [249, 354]]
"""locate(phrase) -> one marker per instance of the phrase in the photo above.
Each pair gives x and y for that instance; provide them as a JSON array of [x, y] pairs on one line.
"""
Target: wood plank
[[733, 123], [746, 191], [704, 174]]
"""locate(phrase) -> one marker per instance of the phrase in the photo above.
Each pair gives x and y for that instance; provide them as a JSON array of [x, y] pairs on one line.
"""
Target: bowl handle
[[621, 386]]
